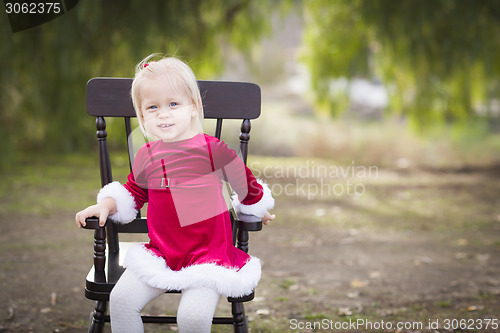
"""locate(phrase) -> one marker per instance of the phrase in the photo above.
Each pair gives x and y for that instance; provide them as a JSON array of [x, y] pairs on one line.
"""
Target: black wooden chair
[[110, 97]]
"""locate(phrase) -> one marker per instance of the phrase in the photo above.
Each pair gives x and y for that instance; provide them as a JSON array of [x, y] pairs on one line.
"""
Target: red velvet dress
[[189, 225]]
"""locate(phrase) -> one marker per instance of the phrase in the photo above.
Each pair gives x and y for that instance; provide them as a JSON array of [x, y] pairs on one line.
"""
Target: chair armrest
[[245, 298], [99, 247], [248, 222], [92, 223]]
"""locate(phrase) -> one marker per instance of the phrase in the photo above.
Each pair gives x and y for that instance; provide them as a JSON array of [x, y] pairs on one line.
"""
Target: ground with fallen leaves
[[416, 246]]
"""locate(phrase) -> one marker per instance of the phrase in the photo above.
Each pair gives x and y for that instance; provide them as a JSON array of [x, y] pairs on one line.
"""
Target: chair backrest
[[110, 97]]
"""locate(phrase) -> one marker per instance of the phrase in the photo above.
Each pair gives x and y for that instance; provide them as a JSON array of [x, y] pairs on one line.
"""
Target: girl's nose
[[164, 113]]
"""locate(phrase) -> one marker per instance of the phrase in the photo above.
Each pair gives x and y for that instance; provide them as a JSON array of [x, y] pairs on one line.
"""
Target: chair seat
[[98, 287]]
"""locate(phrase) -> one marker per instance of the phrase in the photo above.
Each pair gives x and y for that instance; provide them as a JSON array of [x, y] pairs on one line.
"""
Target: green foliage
[[437, 57], [46, 68]]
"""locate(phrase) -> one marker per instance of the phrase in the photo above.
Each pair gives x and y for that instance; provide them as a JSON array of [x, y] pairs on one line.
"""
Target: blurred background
[[425, 68], [408, 90]]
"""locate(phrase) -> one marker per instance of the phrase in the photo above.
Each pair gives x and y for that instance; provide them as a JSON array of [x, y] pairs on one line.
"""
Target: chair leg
[[98, 317], [240, 323]]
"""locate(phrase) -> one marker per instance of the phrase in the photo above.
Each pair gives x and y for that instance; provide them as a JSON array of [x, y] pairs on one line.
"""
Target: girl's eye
[[152, 108], [172, 104]]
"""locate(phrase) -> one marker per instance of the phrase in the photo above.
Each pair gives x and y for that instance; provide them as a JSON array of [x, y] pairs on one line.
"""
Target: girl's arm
[[268, 218], [101, 210], [128, 198], [116, 201], [256, 199], [120, 202], [253, 197]]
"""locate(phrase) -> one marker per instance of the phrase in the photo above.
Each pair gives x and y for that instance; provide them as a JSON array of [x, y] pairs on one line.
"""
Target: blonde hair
[[180, 76]]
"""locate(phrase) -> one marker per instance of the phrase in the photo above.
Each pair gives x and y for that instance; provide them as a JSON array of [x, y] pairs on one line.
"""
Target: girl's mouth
[[165, 125]]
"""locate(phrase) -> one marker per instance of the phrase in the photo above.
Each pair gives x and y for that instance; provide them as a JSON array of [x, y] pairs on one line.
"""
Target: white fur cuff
[[259, 208], [125, 203]]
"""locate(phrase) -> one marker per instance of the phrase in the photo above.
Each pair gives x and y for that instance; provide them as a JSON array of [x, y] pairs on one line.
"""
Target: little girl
[[180, 176]]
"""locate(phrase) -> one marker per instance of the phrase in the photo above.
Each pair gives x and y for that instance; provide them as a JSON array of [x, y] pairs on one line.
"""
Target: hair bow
[[147, 64]]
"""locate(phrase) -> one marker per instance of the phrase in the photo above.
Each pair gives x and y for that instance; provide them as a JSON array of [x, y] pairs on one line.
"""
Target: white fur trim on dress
[[125, 203], [154, 271], [259, 208]]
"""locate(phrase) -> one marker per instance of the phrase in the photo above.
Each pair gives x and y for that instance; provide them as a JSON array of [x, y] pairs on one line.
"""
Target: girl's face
[[167, 112]]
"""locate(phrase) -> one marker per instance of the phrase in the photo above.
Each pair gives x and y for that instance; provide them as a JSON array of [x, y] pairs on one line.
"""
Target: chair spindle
[[104, 163], [218, 128], [128, 131], [106, 178], [244, 138]]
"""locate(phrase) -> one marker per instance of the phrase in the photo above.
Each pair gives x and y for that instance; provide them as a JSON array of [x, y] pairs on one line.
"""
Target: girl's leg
[[196, 310], [127, 299]]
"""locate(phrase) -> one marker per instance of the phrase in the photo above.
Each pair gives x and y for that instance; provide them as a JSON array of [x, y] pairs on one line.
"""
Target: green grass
[[287, 283], [44, 184], [392, 200]]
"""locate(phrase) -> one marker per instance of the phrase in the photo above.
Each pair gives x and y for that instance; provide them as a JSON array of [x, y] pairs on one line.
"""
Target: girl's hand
[[267, 218], [102, 210]]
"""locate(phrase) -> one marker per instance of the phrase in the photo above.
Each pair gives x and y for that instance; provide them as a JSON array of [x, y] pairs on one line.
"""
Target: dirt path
[[328, 259]]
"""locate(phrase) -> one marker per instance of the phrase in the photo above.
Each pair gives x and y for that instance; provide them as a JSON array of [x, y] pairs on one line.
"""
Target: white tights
[[131, 294]]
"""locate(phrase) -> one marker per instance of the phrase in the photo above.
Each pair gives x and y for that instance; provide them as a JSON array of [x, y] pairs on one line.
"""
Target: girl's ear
[[194, 110]]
